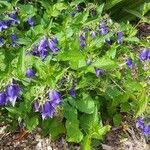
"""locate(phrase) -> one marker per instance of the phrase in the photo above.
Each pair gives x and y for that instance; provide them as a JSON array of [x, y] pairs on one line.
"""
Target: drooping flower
[[12, 92], [82, 40], [140, 123], [35, 51], [47, 110], [30, 73], [3, 25], [99, 72], [93, 34], [42, 45], [103, 28], [129, 63], [148, 56], [43, 53], [72, 92], [143, 55], [30, 21], [14, 39], [14, 18], [119, 37], [36, 106], [54, 97], [3, 98], [52, 44], [1, 41], [146, 130]]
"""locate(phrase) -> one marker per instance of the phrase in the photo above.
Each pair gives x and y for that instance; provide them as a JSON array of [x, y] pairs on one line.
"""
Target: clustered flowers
[[12, 20], [145, 128], [45, 46], [48, 109]]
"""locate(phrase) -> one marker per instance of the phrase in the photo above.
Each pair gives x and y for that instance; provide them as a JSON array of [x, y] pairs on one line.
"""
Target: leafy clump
[[69, 69]]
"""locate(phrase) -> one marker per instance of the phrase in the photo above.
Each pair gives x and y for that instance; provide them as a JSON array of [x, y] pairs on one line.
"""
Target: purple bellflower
[[14, 40], [146, 130], [14, 19], [103, 28], [13, 92], [52, 44], [1, 41], [140, 123], [42, 45], [54, 97], [99, 72], [143, 55], [82, 40], [119, 37], [72, 92], [30, 73], [47, 110], [93, 34], [129, 63], [3, 25], [30, 21], [3, 98]]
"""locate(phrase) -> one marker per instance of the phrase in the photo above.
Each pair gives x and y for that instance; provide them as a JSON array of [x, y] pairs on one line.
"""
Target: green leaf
[[85, 105], [100, 9], [98, 132], [21, 62], [53, 127], [142, 104], [105, 63], [73, 132], [31, 123], [117, 119]]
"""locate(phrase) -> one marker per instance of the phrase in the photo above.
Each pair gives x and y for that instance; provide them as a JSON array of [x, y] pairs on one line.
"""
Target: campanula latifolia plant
[[66, 68]]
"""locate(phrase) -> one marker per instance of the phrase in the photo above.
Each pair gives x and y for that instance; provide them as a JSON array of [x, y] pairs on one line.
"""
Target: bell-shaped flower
[[13, 92], [143, 55], [119, 37], [36, 106], [30, 21], [30, 73], [42, 45], [99, 72], [129, 63], [3, 98], [72, 92], [54, 97], [82, 40], [47, 110], [146, 130]]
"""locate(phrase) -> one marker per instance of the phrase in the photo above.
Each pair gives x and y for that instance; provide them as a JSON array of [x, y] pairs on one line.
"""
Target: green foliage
[[105, 86]]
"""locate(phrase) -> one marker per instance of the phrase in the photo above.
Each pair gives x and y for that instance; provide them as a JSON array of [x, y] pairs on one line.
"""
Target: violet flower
[[54, 97], [140, 123], [3, 25], [82, 40], [14, 18], [143, 55], [13, 92], [120, 37], [30, 21], [14, 40], [30, 73], [129, 63], [103, 28], [3, 98], [47, 110], [72, 92], [93, 34], [99, 72], [146, 130], [42, 45], [1, 41], [52, 44]]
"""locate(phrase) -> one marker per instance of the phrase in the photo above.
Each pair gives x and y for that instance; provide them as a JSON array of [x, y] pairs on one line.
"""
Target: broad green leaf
[[73, 132], [105, 63], [85, 105], [100, 9]]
